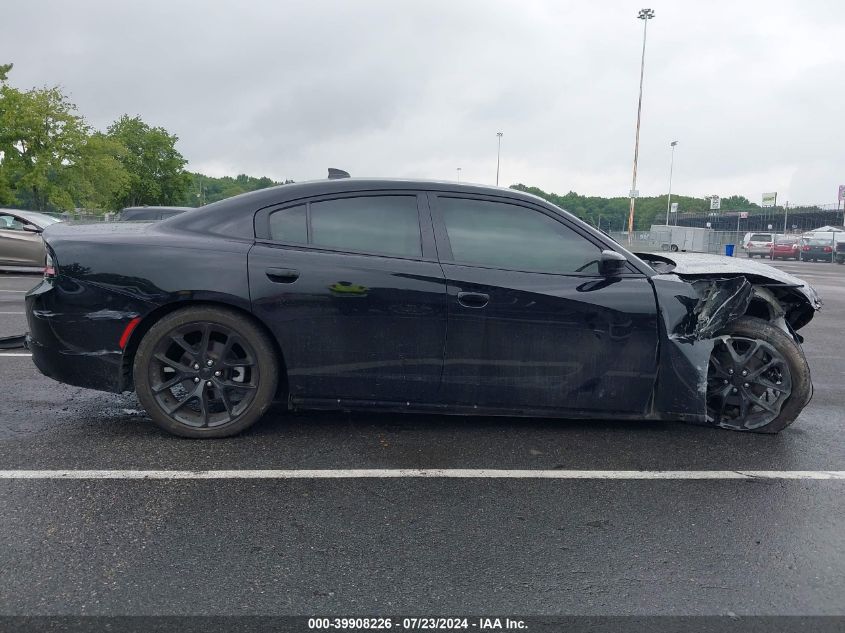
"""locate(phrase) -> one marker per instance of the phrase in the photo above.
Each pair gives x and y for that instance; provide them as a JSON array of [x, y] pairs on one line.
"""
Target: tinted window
[[508, 236], [761, 237], [374, 224], [289, 225]]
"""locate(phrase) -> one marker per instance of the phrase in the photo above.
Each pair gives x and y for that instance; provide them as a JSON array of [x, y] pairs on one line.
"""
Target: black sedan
[[413, 296]]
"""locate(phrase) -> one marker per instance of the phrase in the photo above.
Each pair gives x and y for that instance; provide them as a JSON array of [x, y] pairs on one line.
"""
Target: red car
[[785, 248]]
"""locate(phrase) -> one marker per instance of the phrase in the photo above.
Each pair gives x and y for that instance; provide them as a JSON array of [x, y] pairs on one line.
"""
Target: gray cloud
[[752, 91]]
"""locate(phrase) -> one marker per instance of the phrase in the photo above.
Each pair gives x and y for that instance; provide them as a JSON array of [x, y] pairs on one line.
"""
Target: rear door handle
[[282, 275], [473, 299]]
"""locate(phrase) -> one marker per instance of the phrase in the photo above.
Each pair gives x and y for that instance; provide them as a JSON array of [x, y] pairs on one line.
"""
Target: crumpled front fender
[[691, 315]]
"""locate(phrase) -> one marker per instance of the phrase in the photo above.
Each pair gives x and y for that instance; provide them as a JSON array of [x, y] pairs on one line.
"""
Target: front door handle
[[473, 299], [282, 275]]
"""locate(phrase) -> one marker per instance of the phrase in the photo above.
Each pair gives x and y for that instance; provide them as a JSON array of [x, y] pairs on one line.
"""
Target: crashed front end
[[698, 296]]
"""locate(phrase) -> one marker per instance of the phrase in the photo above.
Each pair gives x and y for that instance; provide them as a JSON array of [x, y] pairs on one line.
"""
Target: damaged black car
[[413, 296]]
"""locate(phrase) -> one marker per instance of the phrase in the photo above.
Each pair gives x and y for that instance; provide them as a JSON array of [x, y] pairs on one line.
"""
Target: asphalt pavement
[[418, 545]]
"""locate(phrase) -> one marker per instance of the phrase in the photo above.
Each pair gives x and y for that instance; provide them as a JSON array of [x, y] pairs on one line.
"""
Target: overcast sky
[[754, 91]]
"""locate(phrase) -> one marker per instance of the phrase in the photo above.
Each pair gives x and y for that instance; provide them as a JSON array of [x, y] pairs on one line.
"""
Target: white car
[[758, 244]]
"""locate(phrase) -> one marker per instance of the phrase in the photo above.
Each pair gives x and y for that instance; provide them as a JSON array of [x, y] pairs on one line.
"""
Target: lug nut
[[209, 362], [744, 372], [726, 381], [218, 373], [196, 379], [208, 383], [746, 385], [731, 372], [734, 390], [196, 366]]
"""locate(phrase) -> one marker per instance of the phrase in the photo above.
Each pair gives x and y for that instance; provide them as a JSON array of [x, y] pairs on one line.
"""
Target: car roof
[[222, 211]]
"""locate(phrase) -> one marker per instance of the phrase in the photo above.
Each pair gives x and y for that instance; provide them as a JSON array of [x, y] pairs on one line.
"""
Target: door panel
[[21, 248], [550, 341], [353, 326], [531, 324]]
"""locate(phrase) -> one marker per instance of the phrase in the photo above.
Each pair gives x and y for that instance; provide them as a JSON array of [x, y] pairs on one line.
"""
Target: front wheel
[[758, 379], [205, 372]]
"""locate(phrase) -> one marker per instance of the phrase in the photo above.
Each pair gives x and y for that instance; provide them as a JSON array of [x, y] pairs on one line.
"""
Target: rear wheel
[[758, 379], [205, 372]]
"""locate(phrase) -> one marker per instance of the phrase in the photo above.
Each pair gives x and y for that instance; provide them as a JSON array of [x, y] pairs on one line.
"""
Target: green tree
[[41, 136], [4, 71], [99, 179], [155, 168]]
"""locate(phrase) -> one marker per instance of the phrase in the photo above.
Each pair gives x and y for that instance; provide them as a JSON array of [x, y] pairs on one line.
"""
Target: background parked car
[[759, 244], [815, 250], [20, 237], [839, 255], [786, 248], [148, 214]]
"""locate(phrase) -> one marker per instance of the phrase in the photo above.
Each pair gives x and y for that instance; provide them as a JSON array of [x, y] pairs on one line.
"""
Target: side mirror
[[31, 228], [612, 264]]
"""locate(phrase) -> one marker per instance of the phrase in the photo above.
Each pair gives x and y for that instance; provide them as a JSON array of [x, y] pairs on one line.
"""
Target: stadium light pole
[[645, 15], [459, 174], [671, 166], [498, 156]]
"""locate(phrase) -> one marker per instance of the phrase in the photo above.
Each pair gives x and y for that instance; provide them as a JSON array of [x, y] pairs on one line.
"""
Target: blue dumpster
[[729, 250]]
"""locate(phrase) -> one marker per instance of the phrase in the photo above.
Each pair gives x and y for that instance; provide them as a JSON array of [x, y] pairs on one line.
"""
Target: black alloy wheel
[[205, 372], [758, 379]]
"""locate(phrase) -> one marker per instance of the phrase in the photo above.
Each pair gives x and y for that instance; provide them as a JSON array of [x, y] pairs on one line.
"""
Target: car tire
[[674, 248], [205, 372], [788, 370]]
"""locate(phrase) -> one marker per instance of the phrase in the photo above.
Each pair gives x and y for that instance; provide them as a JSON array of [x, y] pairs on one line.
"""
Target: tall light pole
[[671, 166], [459, 174], [645, 15], [498, 156]]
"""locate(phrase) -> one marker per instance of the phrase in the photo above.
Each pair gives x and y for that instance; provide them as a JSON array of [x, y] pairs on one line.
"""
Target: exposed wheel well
[[149, 320]]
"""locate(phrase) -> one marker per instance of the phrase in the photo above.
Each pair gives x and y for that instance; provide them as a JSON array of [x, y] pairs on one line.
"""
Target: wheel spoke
[[760, 402], [181, 403], [717, 365], [206, 336], [181, 342], [230, 384], [226, 402], [168, 384], [231, 341], [203, 402], [160, 357]]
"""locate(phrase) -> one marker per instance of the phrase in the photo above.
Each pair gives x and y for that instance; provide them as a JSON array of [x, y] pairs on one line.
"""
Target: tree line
[[611, 214]]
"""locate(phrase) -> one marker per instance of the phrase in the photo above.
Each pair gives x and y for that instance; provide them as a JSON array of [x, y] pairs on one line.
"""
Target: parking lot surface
[[418, 545]]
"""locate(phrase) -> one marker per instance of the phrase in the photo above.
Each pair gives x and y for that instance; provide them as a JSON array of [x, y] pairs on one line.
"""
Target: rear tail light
[[795, 247], [769, 245], [749, 245], [49, 268], [828, 249], [805, 249]]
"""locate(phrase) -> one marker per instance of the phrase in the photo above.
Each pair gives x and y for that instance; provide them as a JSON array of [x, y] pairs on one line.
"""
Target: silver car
[[20, 237]]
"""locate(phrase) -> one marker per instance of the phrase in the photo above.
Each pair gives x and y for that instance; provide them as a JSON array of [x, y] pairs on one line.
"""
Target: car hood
[[706, 265]]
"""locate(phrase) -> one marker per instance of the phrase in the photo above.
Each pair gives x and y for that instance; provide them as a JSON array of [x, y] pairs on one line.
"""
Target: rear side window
[[761, 237], [386, 225], [290, 225], [502, 235]]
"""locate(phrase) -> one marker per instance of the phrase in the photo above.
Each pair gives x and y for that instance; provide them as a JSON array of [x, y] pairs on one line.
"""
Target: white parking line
[[12, 312], [425, 473], [27, 354], [17, 291]]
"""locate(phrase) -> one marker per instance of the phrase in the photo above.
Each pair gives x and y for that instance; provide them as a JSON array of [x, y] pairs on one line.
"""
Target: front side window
[[371, 224], [10, 223], [509, 236]]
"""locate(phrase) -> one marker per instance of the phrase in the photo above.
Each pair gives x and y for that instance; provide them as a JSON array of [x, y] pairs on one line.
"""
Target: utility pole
[[671, 166], [645, 15], [498, 156], [459, 174]]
